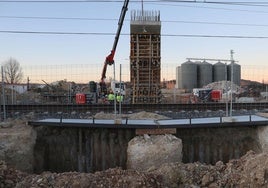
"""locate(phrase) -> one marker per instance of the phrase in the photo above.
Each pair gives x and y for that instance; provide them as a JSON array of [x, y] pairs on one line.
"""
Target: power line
[[77, 1], [109, 34], [55, 33], [119, 1], [155, 2], [217, 23], [205, 7], [59, 18], [52, 1], [216, 36], [111, 19], [241, 3]]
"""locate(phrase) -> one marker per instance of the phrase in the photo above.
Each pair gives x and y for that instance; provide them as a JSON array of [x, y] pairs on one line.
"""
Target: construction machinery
[[110, 58], [201, 95], [99, 91]]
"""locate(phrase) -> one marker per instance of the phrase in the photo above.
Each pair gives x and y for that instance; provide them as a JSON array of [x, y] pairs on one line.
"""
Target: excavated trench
[[209, 145], [59, 149], [80, 149]]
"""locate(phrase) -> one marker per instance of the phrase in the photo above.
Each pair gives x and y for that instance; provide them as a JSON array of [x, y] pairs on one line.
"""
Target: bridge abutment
[[60, 149]]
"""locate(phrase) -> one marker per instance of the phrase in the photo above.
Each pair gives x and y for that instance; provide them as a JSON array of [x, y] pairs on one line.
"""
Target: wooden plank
[[156, 131]]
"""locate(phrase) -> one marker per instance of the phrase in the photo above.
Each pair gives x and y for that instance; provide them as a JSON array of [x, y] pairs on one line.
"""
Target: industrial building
[[197, 74], [145, 65]]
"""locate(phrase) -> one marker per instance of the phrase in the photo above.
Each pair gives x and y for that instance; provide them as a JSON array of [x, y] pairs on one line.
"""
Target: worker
[[111, 97], [119, 98]]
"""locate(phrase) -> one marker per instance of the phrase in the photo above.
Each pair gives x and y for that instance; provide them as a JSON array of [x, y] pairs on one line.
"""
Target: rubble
[[9, 177], [248, 171], [115, 177]]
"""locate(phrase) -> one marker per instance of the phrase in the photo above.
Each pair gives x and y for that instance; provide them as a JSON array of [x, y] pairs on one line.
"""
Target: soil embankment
[[17, 141]]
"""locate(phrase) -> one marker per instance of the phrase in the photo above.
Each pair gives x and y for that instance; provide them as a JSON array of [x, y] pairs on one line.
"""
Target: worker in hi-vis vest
[[119, 98], [111, 97]]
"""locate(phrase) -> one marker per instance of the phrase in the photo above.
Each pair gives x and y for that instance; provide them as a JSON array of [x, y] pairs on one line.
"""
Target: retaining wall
[[59, 149]]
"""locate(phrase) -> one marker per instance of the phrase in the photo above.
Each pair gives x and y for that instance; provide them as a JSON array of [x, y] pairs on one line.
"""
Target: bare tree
[[12, 71]]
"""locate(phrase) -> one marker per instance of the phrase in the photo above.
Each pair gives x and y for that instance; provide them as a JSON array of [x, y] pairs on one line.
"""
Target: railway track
[[52, 108]]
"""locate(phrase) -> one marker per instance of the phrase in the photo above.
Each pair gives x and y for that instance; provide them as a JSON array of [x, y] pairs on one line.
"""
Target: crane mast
[[110, 58]]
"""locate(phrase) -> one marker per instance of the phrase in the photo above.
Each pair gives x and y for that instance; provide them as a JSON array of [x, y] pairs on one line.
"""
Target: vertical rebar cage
[[145, 64]]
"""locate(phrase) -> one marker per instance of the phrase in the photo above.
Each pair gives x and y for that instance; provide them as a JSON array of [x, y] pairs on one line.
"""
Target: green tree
[[12, 71]]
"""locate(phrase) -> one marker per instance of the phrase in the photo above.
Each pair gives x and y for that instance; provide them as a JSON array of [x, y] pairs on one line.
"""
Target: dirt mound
[[248, 171], [9, 177], [146, 115], [115, 177], [221, 85], [139, 115], [102, 115], [255, 170]]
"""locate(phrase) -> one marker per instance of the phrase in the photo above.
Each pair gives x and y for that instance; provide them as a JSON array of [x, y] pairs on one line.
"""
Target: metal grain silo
[[219, 72], [189, 75], [204, 73], [178, 78], [236, 73]]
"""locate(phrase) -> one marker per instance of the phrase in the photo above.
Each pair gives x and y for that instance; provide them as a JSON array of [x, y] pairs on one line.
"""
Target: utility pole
[[226, 90], [266, 92], [120, 93], [232, 79], [3, 94], [114, 95]]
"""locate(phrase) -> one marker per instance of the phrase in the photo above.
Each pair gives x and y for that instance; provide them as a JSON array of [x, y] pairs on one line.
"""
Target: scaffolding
[[145, 65]]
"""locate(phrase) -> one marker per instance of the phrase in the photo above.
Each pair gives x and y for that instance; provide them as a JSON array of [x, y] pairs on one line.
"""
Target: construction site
[[192, 145], [145, 59], [197, 80]]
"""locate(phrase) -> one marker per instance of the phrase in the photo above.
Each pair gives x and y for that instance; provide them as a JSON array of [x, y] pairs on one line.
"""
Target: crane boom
[[110, 58]]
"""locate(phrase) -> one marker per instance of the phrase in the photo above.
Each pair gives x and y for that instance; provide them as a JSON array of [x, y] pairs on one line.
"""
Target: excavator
[[110, 58]]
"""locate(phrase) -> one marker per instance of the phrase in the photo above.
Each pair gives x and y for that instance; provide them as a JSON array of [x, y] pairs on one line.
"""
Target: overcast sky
[[81, 33]]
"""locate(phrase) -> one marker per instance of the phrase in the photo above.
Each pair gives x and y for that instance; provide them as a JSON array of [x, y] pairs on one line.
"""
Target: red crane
[[110, 58]]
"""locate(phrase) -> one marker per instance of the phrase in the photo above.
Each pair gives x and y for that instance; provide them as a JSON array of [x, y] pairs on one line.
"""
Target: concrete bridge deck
[[234, 121]]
